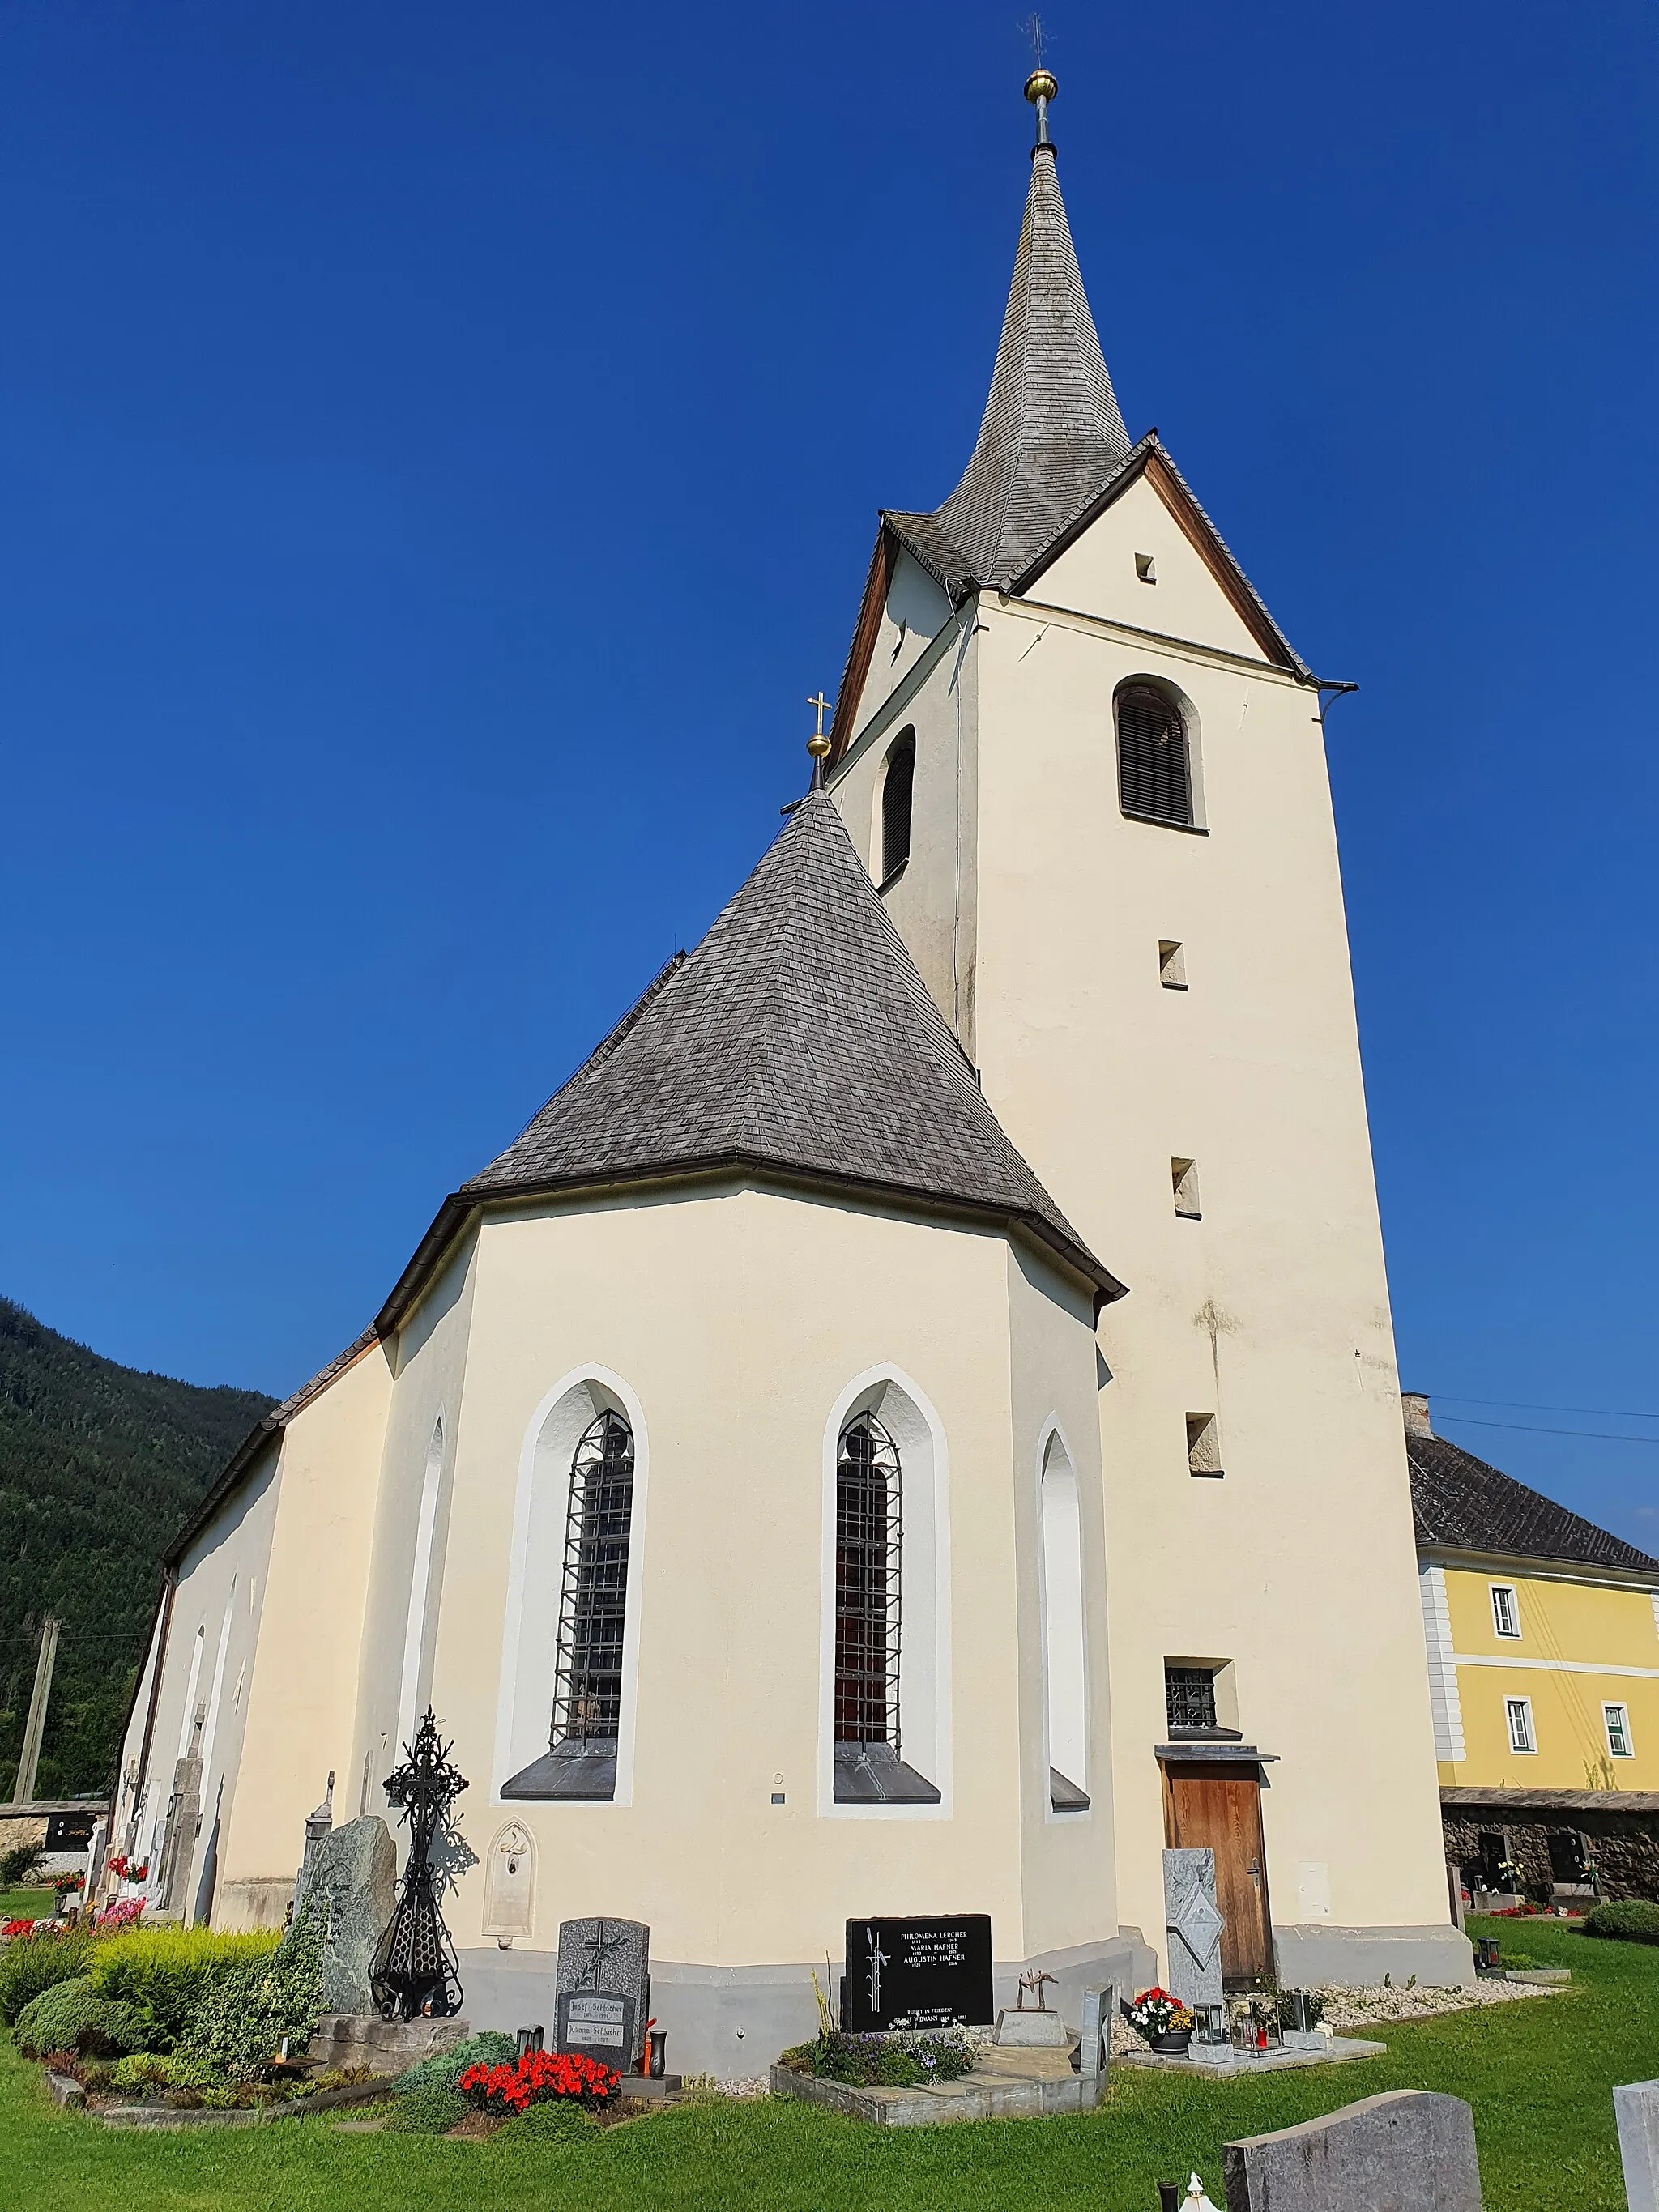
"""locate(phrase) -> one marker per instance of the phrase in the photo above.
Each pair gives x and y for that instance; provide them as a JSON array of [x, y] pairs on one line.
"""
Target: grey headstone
[[604, 1989], [1094, 2049], [353, 1879], [1193, 1925], [1635, 2108], [1409, 2150]]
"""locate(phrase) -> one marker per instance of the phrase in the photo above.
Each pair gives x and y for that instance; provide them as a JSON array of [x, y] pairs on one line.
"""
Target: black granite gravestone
[[604, 1989], [923, 1973]]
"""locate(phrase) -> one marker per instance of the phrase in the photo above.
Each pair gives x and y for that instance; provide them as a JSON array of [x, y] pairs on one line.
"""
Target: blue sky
[[438, 449]]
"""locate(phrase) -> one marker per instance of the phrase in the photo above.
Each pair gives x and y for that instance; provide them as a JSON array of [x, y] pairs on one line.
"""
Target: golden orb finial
[[1040, 85]]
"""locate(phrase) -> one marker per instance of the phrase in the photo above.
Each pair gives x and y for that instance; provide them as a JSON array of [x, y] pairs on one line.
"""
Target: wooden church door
[[1210, 1804]]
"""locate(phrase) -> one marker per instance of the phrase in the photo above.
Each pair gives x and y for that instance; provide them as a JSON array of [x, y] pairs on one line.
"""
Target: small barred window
[[897, 789], [1189, 1696]]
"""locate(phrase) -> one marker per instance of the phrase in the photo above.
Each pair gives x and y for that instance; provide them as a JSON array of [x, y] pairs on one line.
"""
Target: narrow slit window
[[1147, 567], [1171, 963], [897, 791], [1519, 1713], [1154, 777], [1183, 1176], [587, 1697], [1505, 1610], [1203, 1445], [869, 1552], [1616, 1720]]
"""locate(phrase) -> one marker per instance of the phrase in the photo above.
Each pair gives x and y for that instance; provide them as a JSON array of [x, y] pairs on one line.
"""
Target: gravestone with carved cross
[[604, 1992]]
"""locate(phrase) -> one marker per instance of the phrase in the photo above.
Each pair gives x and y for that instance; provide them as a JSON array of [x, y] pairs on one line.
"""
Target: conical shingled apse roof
[[1052, 433], [797, 1035]]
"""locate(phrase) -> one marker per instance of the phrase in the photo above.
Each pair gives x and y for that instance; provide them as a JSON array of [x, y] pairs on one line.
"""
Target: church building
[[912, 1425]]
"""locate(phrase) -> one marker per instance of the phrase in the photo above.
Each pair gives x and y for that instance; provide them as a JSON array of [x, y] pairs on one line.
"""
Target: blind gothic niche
[[580, 1760], [1154, 775], [869, 1761]]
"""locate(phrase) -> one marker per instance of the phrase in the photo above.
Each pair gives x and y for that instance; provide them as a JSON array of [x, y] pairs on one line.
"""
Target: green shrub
[[890, 2062], [555, 2120], [427, 2112], [29, 1964], [1634, 1920], [164, 1973], [72, 2016], [17, 1864], [247, 2008], [445, 2067], [142, 2069]]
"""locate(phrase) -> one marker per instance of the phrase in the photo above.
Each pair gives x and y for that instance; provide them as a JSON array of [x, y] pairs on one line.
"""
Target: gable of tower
[[1137, 562], [906, 610]]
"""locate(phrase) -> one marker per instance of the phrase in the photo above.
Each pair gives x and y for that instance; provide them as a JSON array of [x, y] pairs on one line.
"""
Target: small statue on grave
[[1034, 1982], [415, 1972]]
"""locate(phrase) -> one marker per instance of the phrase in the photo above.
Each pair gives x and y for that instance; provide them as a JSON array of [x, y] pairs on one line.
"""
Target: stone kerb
[[1635, 2108], [1407, 2150]]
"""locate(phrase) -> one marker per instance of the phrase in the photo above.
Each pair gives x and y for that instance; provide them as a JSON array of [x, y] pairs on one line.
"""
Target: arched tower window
[[869, 1619], [1154, 773], [897, 789], [1064, 1680], [588, 1679]]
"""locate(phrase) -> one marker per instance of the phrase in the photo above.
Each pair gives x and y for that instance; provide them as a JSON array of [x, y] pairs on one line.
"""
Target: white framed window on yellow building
[[1506, 1609], [1518, 1711], [1616, 1720]]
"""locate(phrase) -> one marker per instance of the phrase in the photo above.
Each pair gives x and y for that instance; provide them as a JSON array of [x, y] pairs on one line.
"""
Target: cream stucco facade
[[807, 1184]]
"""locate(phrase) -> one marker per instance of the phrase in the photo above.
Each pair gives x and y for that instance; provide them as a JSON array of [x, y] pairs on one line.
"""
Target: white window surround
[[1517, 1712], [215, 1695], [1615, 1722], [188, 1716], [418, 1612], [1505, 1610], [523, 1707], [1064, 1641], [905, 1412]]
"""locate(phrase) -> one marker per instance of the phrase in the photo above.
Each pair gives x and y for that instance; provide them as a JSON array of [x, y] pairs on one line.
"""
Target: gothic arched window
[[897, 787], [588, 1681], [869, 1558], [1154, 775]]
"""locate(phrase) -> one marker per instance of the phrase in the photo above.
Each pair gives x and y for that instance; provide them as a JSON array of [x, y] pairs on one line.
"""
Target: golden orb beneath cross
[[1040, 85]]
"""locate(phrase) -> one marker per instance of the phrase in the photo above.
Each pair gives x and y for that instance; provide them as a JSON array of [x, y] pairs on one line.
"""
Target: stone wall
[[1625, 1845]]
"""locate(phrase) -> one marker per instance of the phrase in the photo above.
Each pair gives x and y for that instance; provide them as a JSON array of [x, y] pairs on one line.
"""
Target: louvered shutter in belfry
[[1151, 756]]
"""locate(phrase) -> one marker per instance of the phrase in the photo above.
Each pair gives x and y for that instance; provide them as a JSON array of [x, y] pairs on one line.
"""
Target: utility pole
[[36, 1727]]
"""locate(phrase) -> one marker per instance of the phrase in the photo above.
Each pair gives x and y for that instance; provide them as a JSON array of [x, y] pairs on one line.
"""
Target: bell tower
[[1115, 866]]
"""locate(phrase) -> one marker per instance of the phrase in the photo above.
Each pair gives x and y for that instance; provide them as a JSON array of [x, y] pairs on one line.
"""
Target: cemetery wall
[[1623, 1845]]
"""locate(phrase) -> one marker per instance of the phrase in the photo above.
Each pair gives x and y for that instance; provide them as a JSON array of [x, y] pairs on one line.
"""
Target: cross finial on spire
[[819, 744]]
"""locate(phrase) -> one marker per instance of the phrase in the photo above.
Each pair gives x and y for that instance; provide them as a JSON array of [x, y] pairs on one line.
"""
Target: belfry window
[[587, 1694], [897, 787], [1154, 775], [869, 1618]]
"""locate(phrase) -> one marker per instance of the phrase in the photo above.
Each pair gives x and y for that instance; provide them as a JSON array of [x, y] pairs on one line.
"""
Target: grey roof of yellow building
[[1462, 1504], [798, 1036]]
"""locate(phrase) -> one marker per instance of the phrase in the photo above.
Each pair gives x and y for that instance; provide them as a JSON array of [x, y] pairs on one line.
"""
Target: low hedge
[[1634, 1921], [30, 1964], [432, 2110], [73, 2016], [888, 2062], [164, 1973]]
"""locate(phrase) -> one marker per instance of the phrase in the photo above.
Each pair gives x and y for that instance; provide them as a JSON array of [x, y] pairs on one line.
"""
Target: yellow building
[[1543, 1642]]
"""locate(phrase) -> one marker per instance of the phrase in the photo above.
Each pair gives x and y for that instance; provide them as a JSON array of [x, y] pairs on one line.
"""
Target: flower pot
[[1173, 2043]]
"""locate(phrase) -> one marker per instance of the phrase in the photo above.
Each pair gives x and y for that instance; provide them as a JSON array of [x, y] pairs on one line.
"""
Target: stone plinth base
[[389, 2046], [1005, 2085], [1032, 2031], [1221, 2063]]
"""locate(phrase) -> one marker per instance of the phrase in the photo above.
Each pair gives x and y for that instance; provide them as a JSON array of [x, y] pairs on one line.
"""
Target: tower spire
[[1051, 433]]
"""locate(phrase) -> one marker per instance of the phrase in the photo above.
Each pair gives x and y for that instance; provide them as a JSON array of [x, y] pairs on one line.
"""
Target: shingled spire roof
[[1052, 433], [798, 1036]]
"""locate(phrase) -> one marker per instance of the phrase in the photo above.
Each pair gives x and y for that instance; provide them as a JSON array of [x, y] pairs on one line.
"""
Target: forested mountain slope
[[100, 1468]]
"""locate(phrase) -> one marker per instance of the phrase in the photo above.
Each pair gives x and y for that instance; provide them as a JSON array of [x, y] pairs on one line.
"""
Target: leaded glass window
[[869, 1546], [587, 1693]]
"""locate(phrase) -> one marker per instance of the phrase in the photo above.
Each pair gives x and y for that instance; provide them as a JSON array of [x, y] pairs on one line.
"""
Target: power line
[[1525, 1405], [1532, 1429]]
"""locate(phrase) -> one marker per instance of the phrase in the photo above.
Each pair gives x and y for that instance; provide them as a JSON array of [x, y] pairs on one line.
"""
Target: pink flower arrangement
[[122, 1915], [539, 2077]]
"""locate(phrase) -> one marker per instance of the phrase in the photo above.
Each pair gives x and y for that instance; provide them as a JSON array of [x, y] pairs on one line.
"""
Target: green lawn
[[27, 1904], [1538, 2075]]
